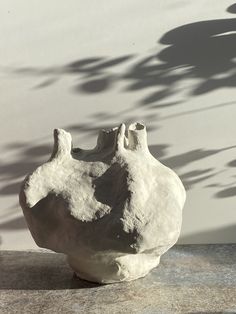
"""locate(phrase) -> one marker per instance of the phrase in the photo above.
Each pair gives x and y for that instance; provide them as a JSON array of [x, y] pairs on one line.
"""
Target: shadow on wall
[[227, 190], [192, 178], [226, 234], [27, 160], [204, 50], [18, 223]]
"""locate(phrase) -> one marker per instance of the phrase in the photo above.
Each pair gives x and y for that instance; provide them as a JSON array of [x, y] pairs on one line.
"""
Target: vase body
[[113, 210]]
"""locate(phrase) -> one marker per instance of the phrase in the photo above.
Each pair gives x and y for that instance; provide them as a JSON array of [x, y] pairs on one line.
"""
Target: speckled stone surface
[[189, 279]]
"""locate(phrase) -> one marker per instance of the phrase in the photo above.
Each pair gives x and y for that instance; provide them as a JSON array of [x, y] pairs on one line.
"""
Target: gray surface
[[189, 279]]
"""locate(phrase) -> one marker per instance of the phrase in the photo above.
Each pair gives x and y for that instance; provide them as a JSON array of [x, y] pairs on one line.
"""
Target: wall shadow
[[14, 224], [12, 173], [177, 162], [227, 190], [227, 233], [204, 51], [28, 158]]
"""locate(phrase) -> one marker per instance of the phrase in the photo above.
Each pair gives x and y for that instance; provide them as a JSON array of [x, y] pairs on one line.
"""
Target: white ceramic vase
[[113, 210]]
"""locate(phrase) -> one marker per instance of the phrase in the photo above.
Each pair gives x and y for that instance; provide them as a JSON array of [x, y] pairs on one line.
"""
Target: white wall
[[85, 65]]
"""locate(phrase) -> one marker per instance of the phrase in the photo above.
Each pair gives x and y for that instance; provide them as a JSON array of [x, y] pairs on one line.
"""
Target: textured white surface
[[114, 210]]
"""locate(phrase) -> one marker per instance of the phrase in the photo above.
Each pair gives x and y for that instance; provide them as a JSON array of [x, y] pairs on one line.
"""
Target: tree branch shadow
[[203, 51]]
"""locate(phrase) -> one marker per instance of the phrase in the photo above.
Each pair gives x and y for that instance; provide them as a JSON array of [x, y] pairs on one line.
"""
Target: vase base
[[106, 271]]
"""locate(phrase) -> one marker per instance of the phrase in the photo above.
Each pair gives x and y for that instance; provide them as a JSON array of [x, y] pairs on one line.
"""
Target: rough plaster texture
[[114, 210]]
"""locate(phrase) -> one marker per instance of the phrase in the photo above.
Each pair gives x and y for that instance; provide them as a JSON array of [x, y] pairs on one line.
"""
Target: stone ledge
[[189, 279]]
